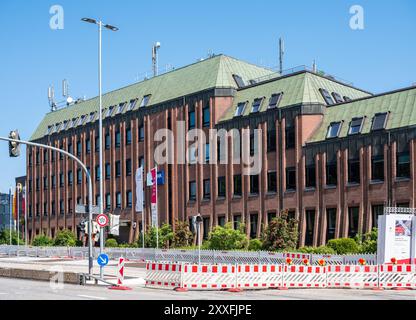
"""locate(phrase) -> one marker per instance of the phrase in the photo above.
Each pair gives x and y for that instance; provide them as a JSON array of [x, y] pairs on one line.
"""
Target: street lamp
[[100, 28]]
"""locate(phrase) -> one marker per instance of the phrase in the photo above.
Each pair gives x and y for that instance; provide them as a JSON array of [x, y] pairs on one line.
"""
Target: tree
[[5, 237], [183, 237], [65, 238], [165, 236], [281, 233], [367, 242], [42, 241], [226, 238]]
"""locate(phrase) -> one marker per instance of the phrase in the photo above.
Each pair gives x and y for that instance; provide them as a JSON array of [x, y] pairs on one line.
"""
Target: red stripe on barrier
[[256, 268], [224, 269], [204, 269]]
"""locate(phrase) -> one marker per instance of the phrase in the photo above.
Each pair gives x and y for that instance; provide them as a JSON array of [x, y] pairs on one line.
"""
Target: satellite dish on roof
[[69, 100]]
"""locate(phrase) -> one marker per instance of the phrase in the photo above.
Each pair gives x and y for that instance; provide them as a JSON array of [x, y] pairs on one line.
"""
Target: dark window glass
[[128, 167], [253, 225], [377, 210], [256, 105], [97, 173], [53, 179], [237, 221], [270, 216], [353, 215], [290, 137], [337, 97], [128, 136], [377, 168], [290, 178], [354, 171], [355, 126], [271, 140], [331, 173], [191, 123], [379, 121], [192, 190], [206, 116], [237, 185], [118, 139], [70, 148], [275, 100], [61, 179], [333, 130], [88, 146], [108, 201], [70, 178], [107, 141], [207, 189], [118, 200], [239, 81], [107, 171], [403, 165], [79, 148], [145, 101], [221, 221], [272, 181], [221, 187], [240, 109], [331, 216], [327, 97], [141, 133], [254, 184], [206, 226], [310, 227], [79, 176], [118, 169], [347, 99], [129, 196], [310, 177]]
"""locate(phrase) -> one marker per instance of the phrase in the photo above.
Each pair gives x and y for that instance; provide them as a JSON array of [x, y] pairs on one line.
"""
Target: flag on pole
[[154, 197], [24, 201], [14, 210], [114, 225], [139, 190]]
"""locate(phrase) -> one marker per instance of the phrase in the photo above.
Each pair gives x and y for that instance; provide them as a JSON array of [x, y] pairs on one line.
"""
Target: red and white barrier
[[397, 276], [352, 276], [304, 277], [259, 276], [163, 275], [208, 277]]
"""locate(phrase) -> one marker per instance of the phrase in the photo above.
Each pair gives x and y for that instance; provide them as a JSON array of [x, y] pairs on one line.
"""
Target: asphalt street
[[16, 289]]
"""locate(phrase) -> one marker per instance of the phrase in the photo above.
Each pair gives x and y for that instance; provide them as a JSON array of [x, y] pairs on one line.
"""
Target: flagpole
[[25, 215], [157, 213], [17, 217], [11, 213]]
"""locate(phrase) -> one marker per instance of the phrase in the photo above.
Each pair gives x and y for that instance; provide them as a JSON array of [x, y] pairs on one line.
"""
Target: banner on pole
[[153, 201], [114, 225], [139, 190]]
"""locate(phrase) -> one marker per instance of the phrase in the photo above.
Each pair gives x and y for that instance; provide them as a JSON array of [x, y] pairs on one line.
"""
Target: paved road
[[13, 289]]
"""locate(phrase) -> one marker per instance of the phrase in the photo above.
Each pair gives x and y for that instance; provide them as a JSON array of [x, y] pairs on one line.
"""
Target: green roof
[[215, 72], [298, 88], [401, 106]]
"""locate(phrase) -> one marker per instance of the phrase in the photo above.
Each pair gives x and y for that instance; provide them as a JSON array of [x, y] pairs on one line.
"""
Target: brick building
[[333, 155]]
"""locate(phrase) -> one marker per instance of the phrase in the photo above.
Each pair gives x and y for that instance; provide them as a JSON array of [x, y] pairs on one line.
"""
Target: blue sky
[[379, 58]]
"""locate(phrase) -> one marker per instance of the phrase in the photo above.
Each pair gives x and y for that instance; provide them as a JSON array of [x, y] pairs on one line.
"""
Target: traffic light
[[14, 147]]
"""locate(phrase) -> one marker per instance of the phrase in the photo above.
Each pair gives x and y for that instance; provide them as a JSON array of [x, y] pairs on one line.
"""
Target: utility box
[[396, 235]]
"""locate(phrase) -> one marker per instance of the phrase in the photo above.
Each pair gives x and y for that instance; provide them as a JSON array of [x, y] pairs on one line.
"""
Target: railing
[[190, 256]]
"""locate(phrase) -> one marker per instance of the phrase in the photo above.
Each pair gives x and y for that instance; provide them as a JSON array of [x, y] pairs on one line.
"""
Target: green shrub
[[111, 243], [344, 245], [226, 238], [65, 238], [281, 233], [165, 234], [182, 237], [255, 245], [5, 237], [42, 241]]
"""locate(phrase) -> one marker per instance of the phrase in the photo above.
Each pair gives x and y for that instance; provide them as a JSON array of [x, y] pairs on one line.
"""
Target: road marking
[[91, 297]]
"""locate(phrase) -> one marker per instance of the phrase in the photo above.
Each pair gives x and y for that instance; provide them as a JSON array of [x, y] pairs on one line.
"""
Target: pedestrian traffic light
[[14, 147]]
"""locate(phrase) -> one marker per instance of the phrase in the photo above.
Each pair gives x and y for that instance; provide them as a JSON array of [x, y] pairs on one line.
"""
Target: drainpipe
[[280, 161], [389, 172]]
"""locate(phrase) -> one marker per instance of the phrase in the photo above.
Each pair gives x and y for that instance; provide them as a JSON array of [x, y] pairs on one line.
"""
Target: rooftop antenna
[[51, 98], [155, 50], [314, 68], [65, 92], [281, 54]]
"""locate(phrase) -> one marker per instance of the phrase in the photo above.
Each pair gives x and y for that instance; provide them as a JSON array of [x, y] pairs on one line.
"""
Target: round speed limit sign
[[102, 220]]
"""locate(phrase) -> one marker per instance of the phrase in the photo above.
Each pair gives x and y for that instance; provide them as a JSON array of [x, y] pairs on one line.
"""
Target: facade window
[[353, 216], [128, 136], [70, 148], [236, 221], [238, 185], [331, 173], [221, 221], [97, 144], [310, 227], [377, 168], [403, 205], [37, 184], [207, 189], [191, 123], [45, 156], [354, 171], [272, 181], [132, 104], [70, 178], [61, 180], [291, 178], [207, 152], [192, 190], [403, 164], [45, 209], [108, 201], [97, 173], [333, 130], [355, 126], [206, 116], [53, 156], [270, 216], [256, 105], [221, 187], [290, 138], [271, 140], [253, 225], [107, 141], [254, 184], [331, 216], [61, 155], [327, 97], [118, 139], [107, 171], [61, 207], [141, 133], [310, 176], [145, 101], [128, 167], [79, 176], [379, 121], [118, 200], [79, 148], [53, 181], [53, 209], [37, 157], [239, 81], [118, 169], [45, 183], [88, 146], [70, 205], [275, 100], [129, 197], [240, 109], [376, 210]]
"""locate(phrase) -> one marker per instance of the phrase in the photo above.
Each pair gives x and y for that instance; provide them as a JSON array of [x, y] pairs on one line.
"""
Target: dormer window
[[256, 105], [239, 81], [48, 131], [121, 107], [132, 104], [74, 122], [65, 125], [379, 121], [275, 100], [240, 109], [109, 111], [327, 97], [347, 99], [92, 117], [333, 130], [82, 121], [337, 97], [145, 101], [356, 125]]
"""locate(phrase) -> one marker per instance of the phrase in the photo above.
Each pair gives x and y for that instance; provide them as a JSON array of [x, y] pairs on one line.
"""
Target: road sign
[[103, 260], [102, 220]]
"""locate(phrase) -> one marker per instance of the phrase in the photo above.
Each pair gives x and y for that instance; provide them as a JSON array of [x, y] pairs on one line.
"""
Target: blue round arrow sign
[[102, 260]]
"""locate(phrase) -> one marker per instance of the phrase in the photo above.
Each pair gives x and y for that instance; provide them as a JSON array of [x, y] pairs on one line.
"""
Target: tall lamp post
[[100, 111]]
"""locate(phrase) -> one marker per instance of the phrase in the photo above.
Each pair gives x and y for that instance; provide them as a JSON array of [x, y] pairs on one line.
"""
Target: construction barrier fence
[[268, 276]]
